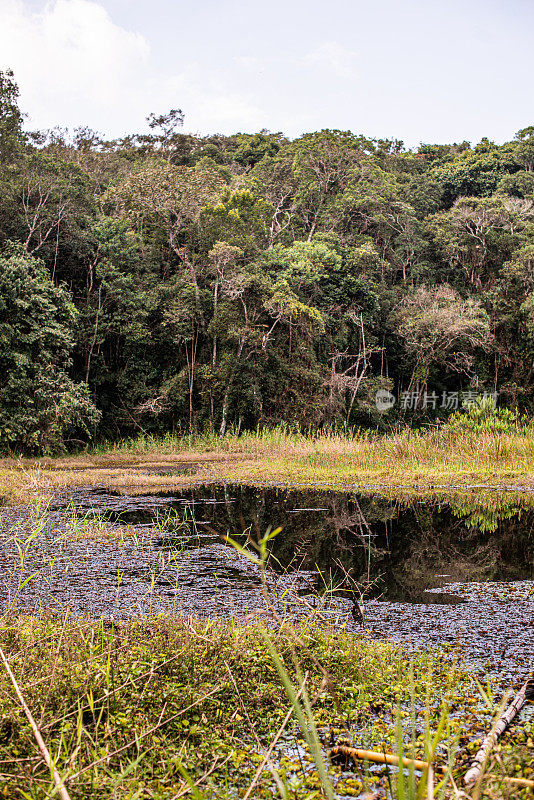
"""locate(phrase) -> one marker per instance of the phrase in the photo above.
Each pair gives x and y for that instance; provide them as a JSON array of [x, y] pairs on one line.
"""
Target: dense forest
[[171, 282]]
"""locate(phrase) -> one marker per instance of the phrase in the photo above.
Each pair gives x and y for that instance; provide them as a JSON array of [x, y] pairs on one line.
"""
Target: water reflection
[[457, 569], [400, 548]]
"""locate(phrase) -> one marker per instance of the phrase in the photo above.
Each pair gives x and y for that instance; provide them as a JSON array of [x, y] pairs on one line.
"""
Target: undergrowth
[[143, 709]]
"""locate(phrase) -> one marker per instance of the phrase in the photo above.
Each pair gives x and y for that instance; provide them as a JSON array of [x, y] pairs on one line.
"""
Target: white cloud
[[89, 62], [225, 111], [209, 101], [76, 66], [333, 57], [72, 62]]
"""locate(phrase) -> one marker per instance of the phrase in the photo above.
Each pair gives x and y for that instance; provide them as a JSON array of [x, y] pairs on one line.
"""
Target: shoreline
[[355, 469]]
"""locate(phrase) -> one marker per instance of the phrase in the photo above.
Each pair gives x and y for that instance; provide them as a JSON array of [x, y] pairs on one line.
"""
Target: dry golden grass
[[421, 460], [25, 480]]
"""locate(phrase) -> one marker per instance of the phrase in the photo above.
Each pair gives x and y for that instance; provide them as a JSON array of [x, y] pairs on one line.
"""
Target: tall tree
[[169, 198], [441, 329], [10, 117], [40, 405]]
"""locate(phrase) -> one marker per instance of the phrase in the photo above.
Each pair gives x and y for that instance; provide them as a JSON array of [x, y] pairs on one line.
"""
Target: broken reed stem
[[430, 783], [36, 732], [513, 781], [525, 693], [377, 758]]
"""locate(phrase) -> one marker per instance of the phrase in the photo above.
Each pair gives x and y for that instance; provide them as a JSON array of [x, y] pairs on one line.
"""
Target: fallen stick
[[514, 781], [525, 693], [377, 758], [36, 732]]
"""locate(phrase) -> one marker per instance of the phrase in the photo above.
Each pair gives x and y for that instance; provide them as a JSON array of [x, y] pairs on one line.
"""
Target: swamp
[[266, 406], [199, 637]]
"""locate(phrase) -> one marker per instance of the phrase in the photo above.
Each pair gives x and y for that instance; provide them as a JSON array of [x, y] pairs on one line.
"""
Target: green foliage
[[519, 184], [131, 695], [524, 148], [483, 416], [250, 149], [240, 218], [39, 404], [10, 117], [239, 281], [438, 327], [476, 172]]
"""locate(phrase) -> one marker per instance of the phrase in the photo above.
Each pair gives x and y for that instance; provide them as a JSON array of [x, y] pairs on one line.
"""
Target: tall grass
[[440, 456], [280, 437], [365, 449]]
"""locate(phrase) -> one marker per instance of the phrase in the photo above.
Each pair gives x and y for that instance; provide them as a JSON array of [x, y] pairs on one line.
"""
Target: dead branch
[[36, 732], [525, 693], [347, 752]]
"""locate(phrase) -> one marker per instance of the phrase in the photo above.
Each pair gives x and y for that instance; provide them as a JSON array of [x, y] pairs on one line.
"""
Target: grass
[[420, 459], [163, 707], [135, 710]]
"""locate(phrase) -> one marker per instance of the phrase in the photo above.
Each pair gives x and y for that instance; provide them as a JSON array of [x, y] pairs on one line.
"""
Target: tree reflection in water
[[401, 547]]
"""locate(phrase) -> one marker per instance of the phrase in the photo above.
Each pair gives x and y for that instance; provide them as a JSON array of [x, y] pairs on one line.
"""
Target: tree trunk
[[226, 399], [95, 334]]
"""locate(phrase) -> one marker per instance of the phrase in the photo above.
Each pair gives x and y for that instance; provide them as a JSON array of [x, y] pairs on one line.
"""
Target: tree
[[222, 256], [10, 117], [476, 172], [317, 167], [439, 328], [273, 178], [236, 318], [372, 203], [182, 321], [170, 198], [477, 234], [39, 403], [524, 149], [520, 184], [242, 280], [509, 305], [115, 301], [249, 149], [166, 130], [51, 192], [240, 218]]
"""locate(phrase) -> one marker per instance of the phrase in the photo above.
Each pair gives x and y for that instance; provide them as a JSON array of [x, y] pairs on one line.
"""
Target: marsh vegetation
[[142, 698], [221, 315]]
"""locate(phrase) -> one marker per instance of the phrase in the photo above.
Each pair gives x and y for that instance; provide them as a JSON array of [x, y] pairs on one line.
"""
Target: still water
[[456, 569], [396, 550]]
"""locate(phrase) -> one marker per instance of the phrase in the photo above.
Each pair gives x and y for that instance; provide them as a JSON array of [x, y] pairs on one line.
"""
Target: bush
[[483, 416]]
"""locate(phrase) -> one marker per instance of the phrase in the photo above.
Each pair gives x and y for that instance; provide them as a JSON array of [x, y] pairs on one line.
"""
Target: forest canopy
[[170, 282]]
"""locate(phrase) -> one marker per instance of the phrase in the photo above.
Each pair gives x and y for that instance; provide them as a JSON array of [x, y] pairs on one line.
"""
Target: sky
[[416, 70]]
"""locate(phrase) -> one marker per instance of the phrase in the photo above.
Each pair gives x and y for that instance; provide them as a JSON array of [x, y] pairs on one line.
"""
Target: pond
[[458, 570]]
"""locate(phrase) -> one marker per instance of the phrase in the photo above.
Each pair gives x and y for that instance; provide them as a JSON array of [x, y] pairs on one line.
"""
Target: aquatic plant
[[161, 705]]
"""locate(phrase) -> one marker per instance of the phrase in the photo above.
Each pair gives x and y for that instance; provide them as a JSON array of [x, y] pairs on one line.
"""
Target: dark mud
[[459, 573]]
